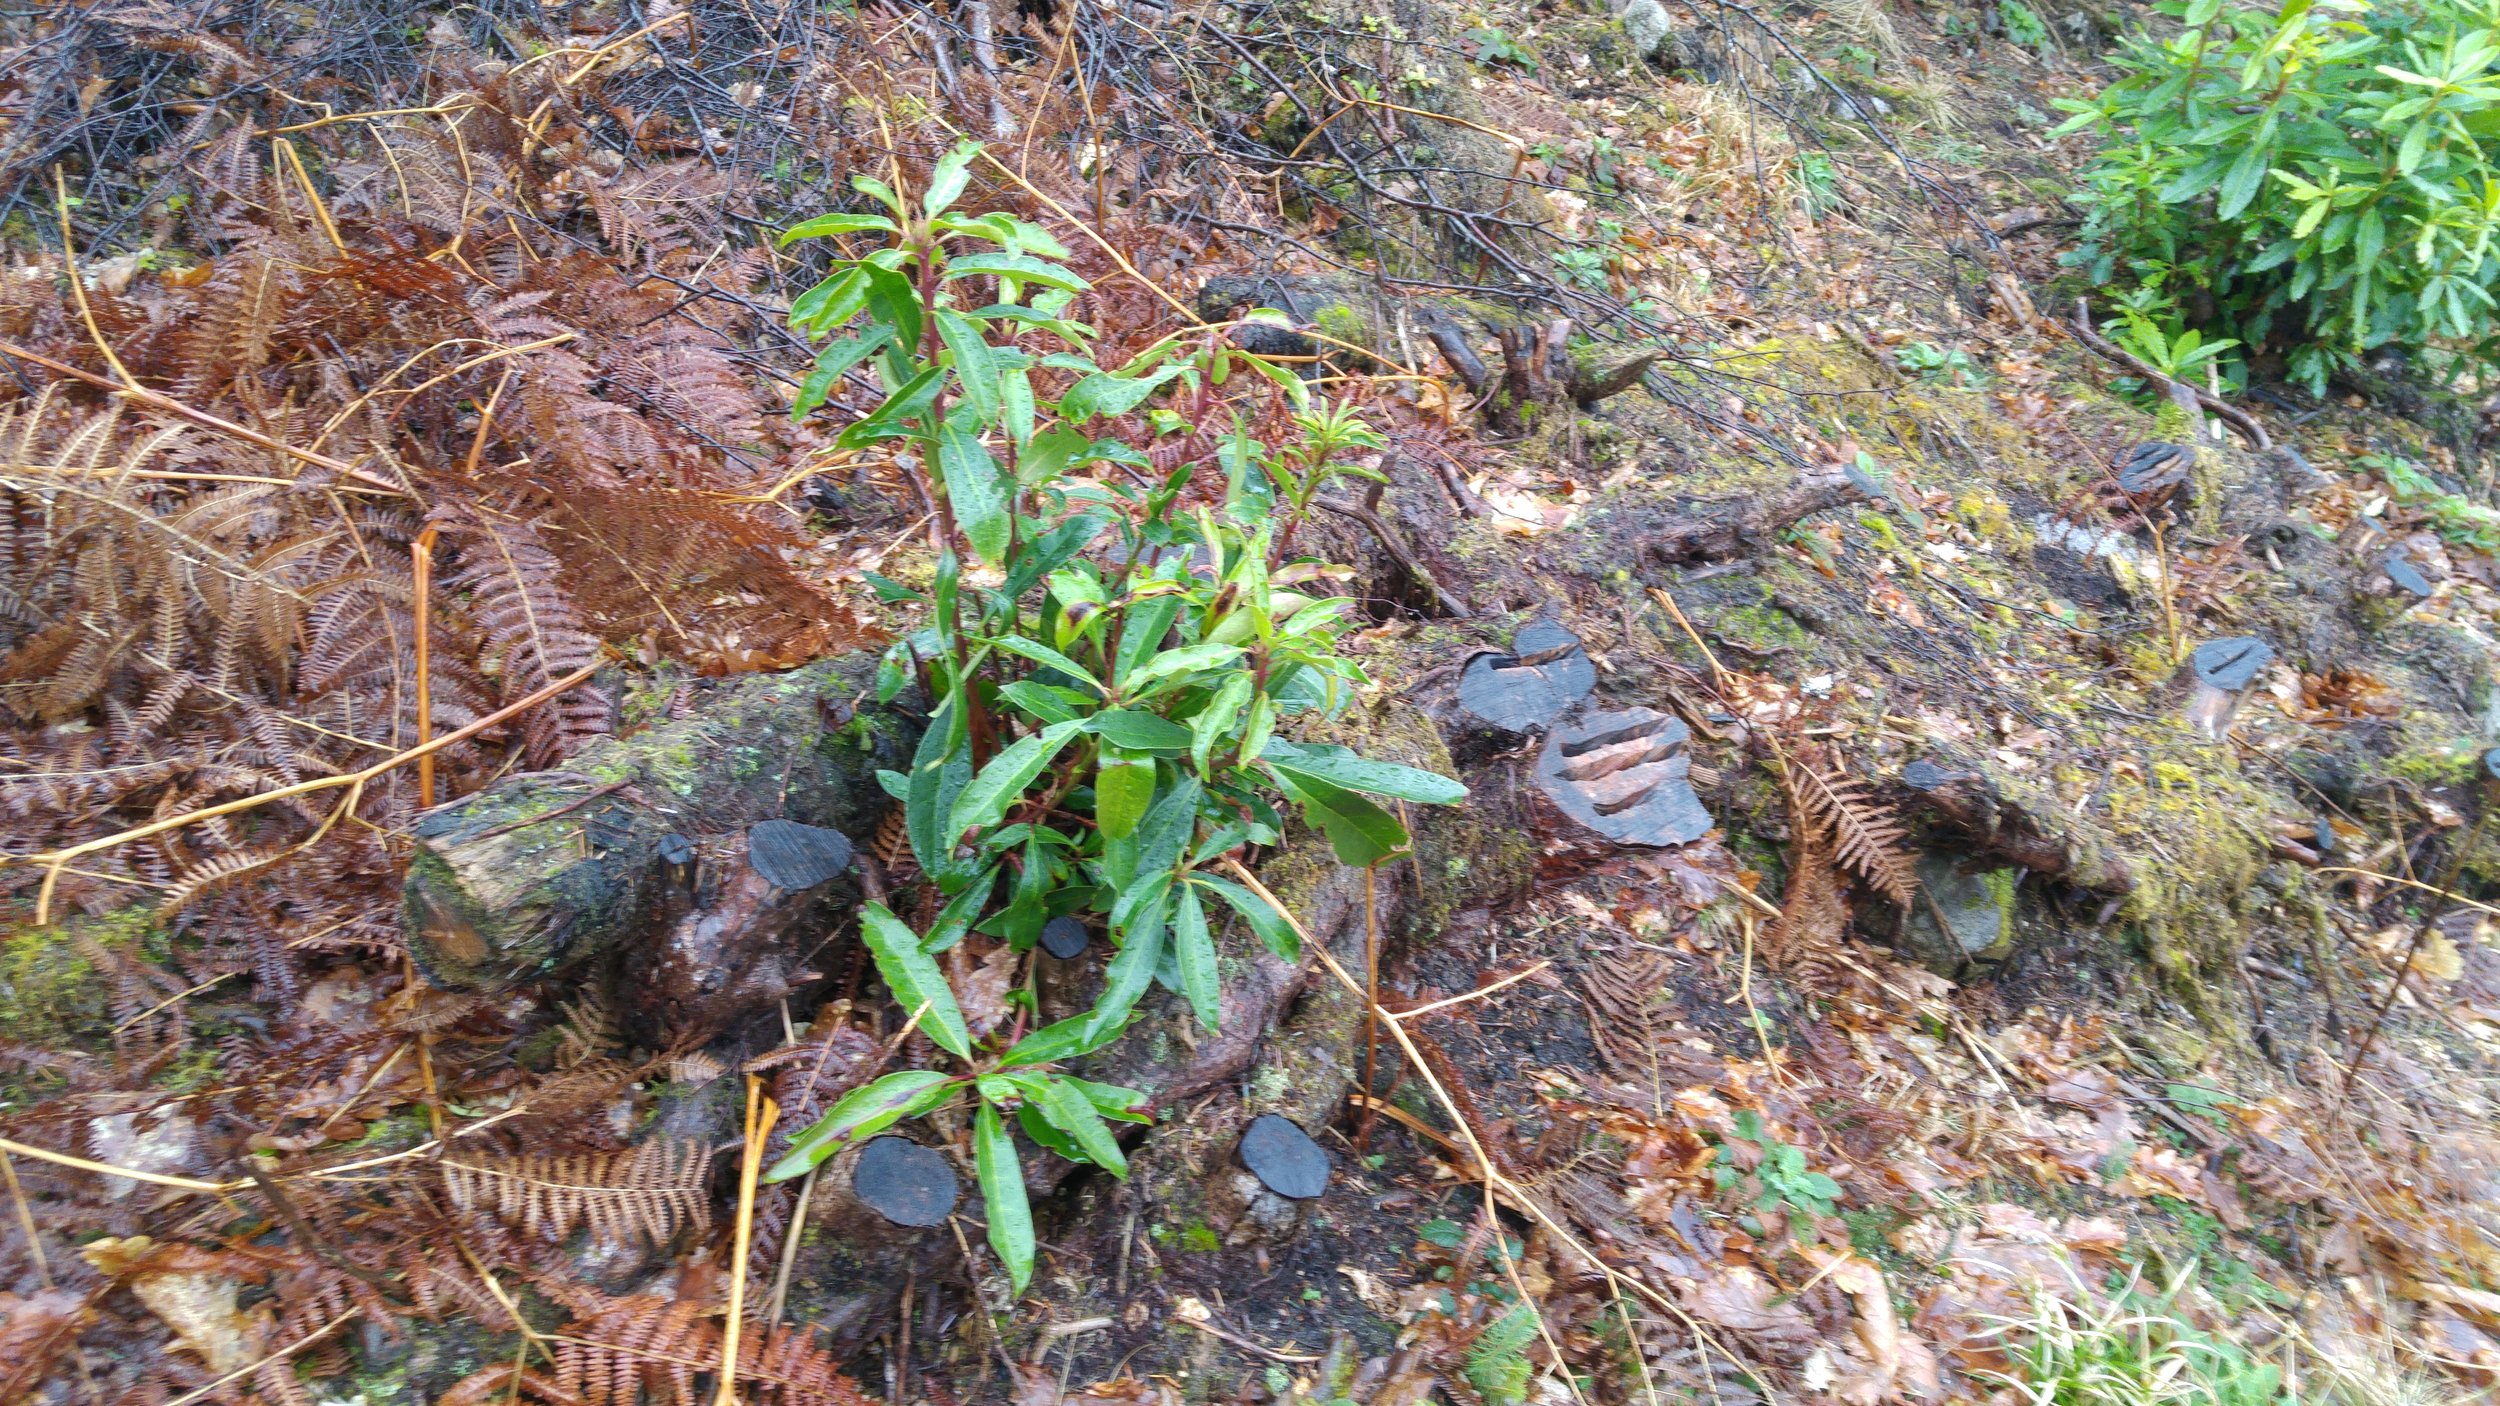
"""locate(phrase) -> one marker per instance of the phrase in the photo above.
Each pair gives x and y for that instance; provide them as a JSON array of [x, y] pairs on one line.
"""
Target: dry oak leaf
[[1900, 1366], [1740, 1300], [191, 1290]]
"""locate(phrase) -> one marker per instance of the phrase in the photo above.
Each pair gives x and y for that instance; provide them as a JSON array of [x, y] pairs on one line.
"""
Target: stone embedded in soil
[[1626, 776], [1284, 1158], [2407, 576], [1972, 907], [797, 857], [1065, 938], [1545, 672], [905, 1182], [2232, 664]]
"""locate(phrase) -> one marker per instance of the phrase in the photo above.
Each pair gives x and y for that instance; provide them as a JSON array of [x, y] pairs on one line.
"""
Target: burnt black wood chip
[[1545, 672], [2408, 577], [794, 856], [905, 1182], [2232, 664], [1284, 1158], [1065, 938], [2491, 762]]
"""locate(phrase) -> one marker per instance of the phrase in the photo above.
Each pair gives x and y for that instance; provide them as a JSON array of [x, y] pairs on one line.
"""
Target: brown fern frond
[[1631, 1020], [505, 1383], [698, 573], [36, 1332], [656, 1188], [1814, 908], [1865, 836], [530, 627], [649, 1348], [643, 1344], [590, 1027], [222, 869], [891, 846]]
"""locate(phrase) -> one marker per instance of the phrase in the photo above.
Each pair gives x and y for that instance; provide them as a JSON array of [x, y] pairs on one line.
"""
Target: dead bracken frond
[[654, 1189], [1814, 907], [649, 1348], [1863, 833]]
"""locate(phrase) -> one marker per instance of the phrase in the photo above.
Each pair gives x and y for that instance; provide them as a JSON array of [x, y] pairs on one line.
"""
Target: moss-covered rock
[[56, 980]]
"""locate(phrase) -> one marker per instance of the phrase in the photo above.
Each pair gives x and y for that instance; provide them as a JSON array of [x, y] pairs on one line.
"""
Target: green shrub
[[2126, 1347], [2316, 182], [2459, 520], [1108, 695]]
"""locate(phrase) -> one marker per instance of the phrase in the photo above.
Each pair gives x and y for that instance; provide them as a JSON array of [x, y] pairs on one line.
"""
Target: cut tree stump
[[541, 873]]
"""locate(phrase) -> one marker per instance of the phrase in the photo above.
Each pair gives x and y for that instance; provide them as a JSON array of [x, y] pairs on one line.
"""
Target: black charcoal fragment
[[1626, 776], [2154, 467], [1545, 672], [677, 855], [1924, 775]]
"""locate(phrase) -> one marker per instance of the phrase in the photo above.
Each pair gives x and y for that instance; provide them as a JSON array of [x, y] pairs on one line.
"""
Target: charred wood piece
[[734, 949]]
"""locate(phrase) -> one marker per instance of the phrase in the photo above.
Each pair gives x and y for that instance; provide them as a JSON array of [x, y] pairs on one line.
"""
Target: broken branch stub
[[1626, 776], [542, 873], [1590, 385]]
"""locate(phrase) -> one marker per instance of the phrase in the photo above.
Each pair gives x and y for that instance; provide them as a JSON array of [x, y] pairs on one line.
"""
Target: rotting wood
[[1970, 807], [1723, 529], [543, 872]]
